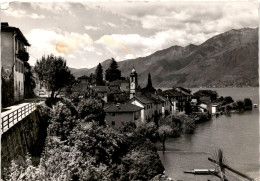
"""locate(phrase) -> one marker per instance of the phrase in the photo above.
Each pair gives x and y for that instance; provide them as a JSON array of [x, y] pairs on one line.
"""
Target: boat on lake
[[202, 171]]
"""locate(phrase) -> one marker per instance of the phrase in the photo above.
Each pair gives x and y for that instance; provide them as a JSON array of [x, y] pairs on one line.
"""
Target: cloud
[[72, 42], [92, 28], [69, 45], [54, 7], [17, 13], [180, 15], [4, 5], [86, 33]]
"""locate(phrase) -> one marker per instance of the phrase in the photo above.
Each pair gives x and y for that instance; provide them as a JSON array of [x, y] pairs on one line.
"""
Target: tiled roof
[[144, 99], [118, 82], [84, 77], [100, 89], [157, 98], [172, 93], [184, 90], [6, 27], [127, 107], [80, 87]]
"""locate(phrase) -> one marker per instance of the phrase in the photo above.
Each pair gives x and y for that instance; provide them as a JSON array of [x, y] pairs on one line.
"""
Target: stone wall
[[27, 136]]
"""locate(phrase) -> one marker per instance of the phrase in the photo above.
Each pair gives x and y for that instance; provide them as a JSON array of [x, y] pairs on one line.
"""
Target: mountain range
[[227, 59]]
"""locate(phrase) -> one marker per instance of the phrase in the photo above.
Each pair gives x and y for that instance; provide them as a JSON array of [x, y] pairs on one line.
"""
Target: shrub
[[248, 104]]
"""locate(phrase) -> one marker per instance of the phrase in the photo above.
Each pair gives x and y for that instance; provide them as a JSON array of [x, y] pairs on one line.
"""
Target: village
[[123, 99]]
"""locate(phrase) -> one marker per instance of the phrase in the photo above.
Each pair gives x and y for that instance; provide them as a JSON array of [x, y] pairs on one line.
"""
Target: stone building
[[14, 52], [118, 114]]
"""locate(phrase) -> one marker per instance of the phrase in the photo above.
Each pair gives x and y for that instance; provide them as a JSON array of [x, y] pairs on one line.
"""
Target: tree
[[149, 87], [99, 75], [53, 73], [164, 131], [188, 109], [227, 100], [29, 82], [240, 105], [113, 73], [248, 104]]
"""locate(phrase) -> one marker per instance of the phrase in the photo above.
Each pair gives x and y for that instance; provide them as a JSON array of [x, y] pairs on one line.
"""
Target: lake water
[[237, 135]]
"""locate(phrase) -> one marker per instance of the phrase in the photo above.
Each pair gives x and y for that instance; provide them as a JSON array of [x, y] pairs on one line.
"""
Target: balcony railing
[[23, 55], [12, 118]]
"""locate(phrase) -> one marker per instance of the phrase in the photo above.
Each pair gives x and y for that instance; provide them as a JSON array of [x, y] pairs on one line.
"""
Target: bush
[[80, 150], [240, 105], [248, 104], [91, 109]]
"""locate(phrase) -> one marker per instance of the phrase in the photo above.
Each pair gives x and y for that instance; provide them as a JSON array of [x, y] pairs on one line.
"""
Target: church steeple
[[133, 83]]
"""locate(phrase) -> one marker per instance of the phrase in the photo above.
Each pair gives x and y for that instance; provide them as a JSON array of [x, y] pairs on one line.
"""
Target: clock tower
[[133, 83]]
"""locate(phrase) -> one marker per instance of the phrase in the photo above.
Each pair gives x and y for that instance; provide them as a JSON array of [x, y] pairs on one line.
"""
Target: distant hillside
[[227, 59], [79, 72]]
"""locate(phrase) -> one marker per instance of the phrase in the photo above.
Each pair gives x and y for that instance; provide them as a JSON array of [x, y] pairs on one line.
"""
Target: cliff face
[[227, 59]]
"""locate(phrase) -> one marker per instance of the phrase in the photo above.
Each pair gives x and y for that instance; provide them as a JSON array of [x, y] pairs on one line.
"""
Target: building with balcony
[[14, 52]]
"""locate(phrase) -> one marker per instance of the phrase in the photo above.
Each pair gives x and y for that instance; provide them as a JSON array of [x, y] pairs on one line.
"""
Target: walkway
[[16, 113]]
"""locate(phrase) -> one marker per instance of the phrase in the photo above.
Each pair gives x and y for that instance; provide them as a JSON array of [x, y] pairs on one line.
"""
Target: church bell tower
[[133, 83]]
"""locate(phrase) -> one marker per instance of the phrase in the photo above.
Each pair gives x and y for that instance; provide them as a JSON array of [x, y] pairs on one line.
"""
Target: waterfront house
[[206, 95], [205, 106], [153, 106], [214, 108], [146, 103], [178, 99], [14, 48], [117, 114], [186, 92], [163, 103]]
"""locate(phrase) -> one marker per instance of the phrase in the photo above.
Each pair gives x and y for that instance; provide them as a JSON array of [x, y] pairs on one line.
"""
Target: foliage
[[240, 105], [63, 120], [113, 73], [187, 108], [7, 91], [227, 100], [213, 95], [99, 75], [180, 124], [54, 73], [248, 104], [29, 82], [164, 131], [149, 87], [76, 149], [91, 109], [148, 130], [228, 108]]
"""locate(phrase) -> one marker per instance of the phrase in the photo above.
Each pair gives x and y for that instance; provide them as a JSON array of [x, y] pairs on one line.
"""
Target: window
[[113, 114], [19, 66], [16, 44], [113, 123], [16, 65]]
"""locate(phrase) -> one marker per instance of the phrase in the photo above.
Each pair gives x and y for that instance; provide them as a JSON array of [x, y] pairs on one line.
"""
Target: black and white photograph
[[130, 90]]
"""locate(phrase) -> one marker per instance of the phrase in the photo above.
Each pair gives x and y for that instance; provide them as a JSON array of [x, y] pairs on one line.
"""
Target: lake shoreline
[[230, 132]]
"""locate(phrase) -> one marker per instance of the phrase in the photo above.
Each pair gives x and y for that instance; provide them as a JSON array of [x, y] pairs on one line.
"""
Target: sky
[[87, 33]]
